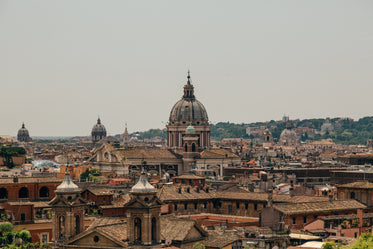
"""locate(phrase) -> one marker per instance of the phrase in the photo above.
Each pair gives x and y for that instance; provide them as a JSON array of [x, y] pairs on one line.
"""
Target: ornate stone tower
[[126, 136], [267, 136], [23, 135], [143, 214], [67, 210], [98, 131], [190, 139], [188, 111]]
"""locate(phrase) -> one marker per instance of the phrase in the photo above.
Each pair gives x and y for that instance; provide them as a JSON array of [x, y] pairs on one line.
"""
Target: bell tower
[[67, 210], [143, 214]]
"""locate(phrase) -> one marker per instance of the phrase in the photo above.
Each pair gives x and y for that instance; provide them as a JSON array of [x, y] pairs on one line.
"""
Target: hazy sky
[[63, 63]]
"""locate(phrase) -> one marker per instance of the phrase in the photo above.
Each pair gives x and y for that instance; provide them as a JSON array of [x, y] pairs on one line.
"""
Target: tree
[[199, 246], [329, 245]]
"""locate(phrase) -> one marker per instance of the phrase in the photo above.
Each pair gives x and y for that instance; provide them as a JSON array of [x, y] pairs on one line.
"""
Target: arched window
[[186, 147], [3, 193], [23, 193], [44, 192], [77, 224], [193, 147], [137, 230], [352, 195], [154, 230]]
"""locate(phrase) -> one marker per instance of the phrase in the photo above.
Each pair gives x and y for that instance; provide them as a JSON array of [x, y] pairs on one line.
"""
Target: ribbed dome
[[188, 109], [99, 128], [23, 135], [23, 131]]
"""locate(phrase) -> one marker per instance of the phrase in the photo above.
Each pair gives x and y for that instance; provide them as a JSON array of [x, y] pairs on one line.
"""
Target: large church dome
[[188, 110]]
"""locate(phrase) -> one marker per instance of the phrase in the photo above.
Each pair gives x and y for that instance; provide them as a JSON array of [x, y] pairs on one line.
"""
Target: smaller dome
[[190, 129], [98, 131], [67, 184], [23, 134], [143, 186]]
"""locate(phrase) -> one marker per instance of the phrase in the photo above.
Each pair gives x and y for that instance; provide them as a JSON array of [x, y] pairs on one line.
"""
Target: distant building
[[327, 126], [288, 136], [98, 131], [23, 134]]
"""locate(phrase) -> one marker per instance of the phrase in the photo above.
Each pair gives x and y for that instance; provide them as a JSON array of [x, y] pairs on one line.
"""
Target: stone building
[[288, 136], [188, 111], [67, 211], [361, 191], [98, 131], [143, 214], [23, 134], [284, 216]]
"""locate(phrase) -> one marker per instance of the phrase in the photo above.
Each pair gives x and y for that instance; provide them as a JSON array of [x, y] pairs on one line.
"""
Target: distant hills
[[344, 130]]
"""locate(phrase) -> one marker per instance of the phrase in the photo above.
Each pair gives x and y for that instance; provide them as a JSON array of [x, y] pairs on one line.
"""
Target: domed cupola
[[98, 131], [288, 135], [188, 111], [23, 135]]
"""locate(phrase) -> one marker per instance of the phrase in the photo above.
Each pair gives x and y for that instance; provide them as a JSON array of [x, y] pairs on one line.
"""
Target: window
[[305, 219], [183, 181], [185, 206], [246, 206], [294, 221], [23, 216], [195, 206], [237, 205], [205, 205], [255, 206], [229, 209], [175, 207], [44, 238]]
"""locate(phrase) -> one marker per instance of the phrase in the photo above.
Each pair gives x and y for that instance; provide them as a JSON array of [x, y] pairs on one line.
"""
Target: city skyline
[[127, 62]]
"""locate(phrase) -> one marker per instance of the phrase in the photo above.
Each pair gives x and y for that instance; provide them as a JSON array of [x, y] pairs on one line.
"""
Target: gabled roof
[[218, 154], [318, 207], [171, 193], [139, 203], [178, 229], [115, 233], [359, 184]]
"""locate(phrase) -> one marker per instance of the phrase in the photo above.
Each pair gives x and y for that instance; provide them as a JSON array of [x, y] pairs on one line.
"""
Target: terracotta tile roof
[[116, 231], [177, 229], [153, 153], [23, 180], [359, 184], [99, 191], [298, 199], [218, 241], [218, 154], [116, 204], [171, 193], [242, 196], [105, 221], [189, 176], [318, 207]]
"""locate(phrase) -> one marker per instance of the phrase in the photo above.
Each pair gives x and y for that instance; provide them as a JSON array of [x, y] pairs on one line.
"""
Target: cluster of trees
[[8, 152], [90, 175], [346, 131], [10, 239], [151, 134]]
